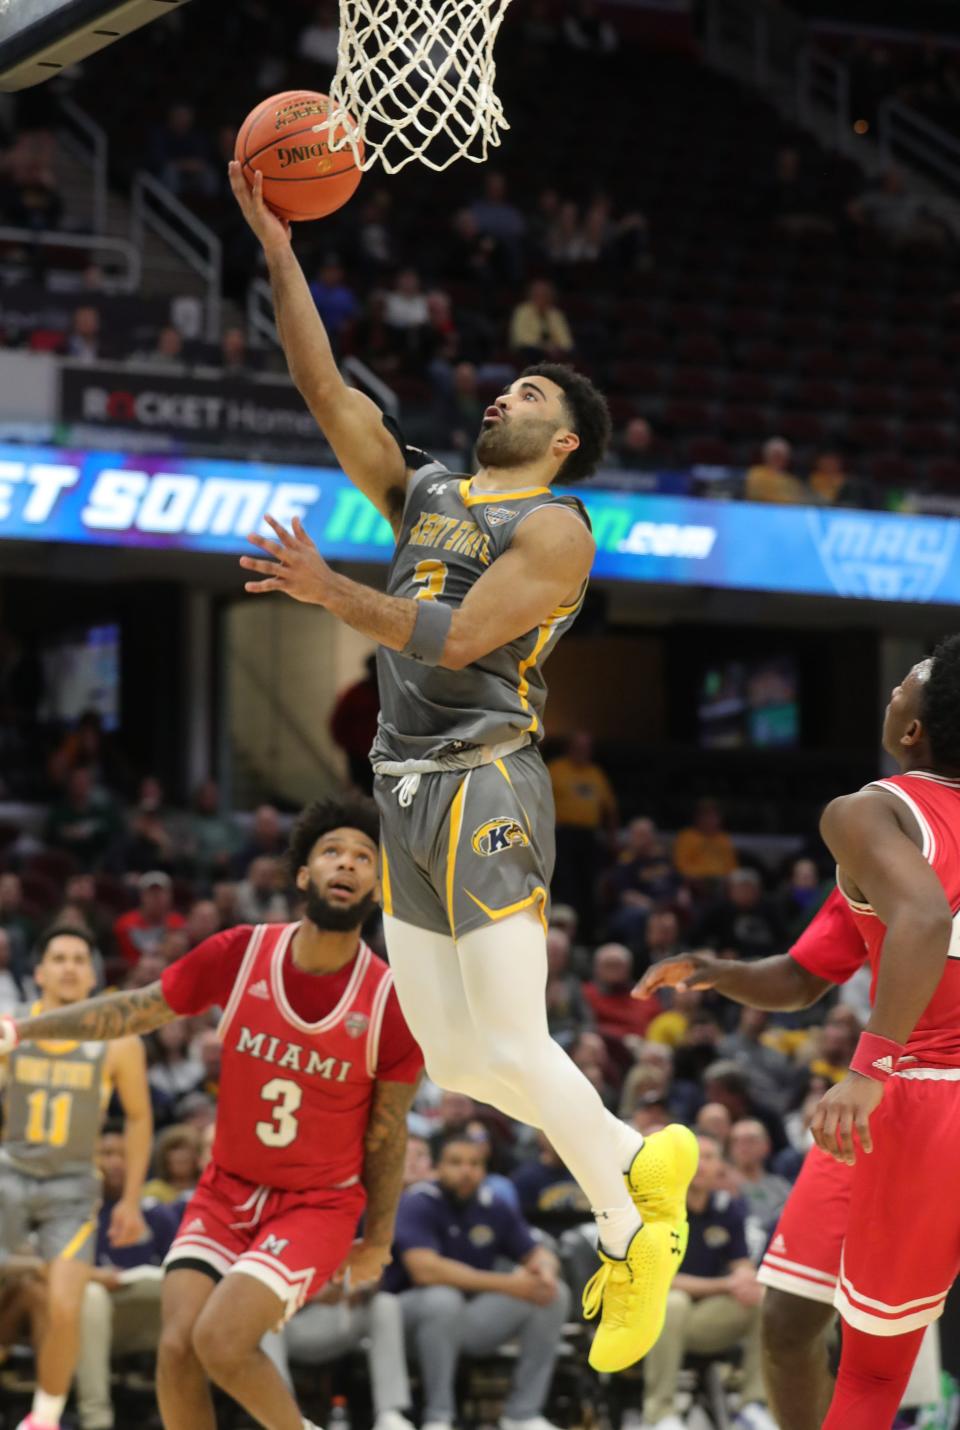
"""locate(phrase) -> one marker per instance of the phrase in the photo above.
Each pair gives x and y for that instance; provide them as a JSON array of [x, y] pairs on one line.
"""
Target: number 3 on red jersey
[[283, 1127]]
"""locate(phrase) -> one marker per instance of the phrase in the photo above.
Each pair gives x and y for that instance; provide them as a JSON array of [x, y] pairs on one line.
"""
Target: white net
[[417, 78]]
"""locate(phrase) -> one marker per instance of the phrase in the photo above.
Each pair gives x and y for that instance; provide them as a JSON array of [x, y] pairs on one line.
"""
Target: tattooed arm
[[385, 1148], [115, 1015]]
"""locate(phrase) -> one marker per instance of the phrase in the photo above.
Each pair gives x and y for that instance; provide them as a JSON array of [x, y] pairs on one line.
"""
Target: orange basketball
[[286, 138]]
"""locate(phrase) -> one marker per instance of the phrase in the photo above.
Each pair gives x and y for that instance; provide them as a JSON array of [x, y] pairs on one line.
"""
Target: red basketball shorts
[[292, 1242], [881, 1239], [804, 1252]]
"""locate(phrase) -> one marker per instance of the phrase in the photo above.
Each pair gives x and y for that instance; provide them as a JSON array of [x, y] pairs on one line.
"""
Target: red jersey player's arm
[[871, 837], [779, 984], [385, 1147], [114, 1015], [542, 572]]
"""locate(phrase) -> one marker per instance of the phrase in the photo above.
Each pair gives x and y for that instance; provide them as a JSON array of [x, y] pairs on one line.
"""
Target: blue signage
[[112, 499]]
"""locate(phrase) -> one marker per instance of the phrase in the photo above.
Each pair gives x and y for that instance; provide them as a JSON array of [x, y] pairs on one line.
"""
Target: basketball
[[286, 137]]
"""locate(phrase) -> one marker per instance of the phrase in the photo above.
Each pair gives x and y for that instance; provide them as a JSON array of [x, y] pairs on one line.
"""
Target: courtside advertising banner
[[110, 499]]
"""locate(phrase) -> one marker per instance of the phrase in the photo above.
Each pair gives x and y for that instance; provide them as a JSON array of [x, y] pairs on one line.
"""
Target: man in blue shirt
[[714, 1304], [120, 1314], [453, 1236]]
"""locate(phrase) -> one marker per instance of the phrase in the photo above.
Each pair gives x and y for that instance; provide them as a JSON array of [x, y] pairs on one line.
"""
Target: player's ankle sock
[[47, 1409], [629, 1141], [617, 1228]]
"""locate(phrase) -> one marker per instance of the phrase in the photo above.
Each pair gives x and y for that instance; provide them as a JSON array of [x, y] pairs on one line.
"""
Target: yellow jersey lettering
[[74, 1075], [33, 1070]]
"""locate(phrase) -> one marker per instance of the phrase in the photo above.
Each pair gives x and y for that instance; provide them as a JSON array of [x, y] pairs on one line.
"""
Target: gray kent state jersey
[[448, 538], [53, 1102]]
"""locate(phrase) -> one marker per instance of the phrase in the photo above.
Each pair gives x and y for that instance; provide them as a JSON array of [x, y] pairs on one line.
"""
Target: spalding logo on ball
[[287, 138]]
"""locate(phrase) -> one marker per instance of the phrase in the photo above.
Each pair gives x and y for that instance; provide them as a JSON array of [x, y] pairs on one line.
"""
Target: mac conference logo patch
[[356, 1023], [497, 835], [497, 515]]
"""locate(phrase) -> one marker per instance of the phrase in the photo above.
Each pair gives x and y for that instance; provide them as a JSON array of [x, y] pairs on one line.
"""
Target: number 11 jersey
[[294, 1091]]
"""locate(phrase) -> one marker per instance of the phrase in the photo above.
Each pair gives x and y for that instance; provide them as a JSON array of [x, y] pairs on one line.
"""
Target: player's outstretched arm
[[115, 1015], [871, 837], [351, 423], [778, 984]]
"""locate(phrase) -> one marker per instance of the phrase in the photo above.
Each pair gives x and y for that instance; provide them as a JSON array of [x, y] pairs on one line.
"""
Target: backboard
[[38, 38]]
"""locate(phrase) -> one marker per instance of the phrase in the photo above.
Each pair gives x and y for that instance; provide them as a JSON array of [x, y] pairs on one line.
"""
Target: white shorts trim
[[929, 1074], [796, 1285], [876, 1325], [851, 1290], [289, 1287], [772, 1258]]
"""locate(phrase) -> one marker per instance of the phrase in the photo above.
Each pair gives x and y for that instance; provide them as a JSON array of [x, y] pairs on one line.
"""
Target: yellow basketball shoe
[[660, 1174], [630, 1295]]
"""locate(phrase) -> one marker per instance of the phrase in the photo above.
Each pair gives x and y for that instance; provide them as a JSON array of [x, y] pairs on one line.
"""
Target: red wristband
[[876, 1057]]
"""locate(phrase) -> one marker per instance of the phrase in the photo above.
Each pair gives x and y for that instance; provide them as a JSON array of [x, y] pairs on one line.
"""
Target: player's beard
[[333, 919], [505, 442]]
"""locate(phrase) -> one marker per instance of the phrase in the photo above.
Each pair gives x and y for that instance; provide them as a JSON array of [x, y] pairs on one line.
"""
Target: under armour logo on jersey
[[259, 990], [675, 1244], [436, 487]]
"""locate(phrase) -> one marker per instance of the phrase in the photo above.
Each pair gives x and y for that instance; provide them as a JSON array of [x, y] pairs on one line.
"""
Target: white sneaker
[[392, 1420], [755, 1417], [536, 1423]]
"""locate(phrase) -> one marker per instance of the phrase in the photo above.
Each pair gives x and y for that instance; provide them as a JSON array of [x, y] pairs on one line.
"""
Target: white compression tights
[[476, 1007]]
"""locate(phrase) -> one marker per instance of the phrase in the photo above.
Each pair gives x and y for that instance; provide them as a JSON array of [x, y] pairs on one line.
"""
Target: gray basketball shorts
[[471, 847], [58, 1213]]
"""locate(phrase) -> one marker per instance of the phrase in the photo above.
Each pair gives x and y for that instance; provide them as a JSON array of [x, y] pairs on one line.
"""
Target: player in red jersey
[[802, 1263], [318, 1073]]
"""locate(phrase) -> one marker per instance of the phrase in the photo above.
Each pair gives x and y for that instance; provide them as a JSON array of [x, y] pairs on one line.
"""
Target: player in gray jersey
[[54, 1095], [489, 572]]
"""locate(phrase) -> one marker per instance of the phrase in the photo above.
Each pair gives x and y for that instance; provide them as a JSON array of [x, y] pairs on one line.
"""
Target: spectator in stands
[[167, 351], [497, 218], [704, 850], [745, 919], [726, 1082], [236, 357], [608, 995], [211, 837], [565, 241], [567, 1010], [260, 897], [406, 302], [662, 936], [172, 1070], [802, 897], [642, 878], [80, 890], [714, 1304], [637, 449], [20, 929], [545, 1185], [225, 899], [586, 811], [176, 1162], [538, 329], [203, 921], [342, 1320], [336, 301], [835, 1043], [713, 1120], [180, 154], [832, 485], [353, 723], [119, 1317], [450, 1235], [771, 480], [142, 930], [588, 32], [151, 842], [32, 201], [418, 1163], [317, 41], [11, 992], [770, 1073], [86, 746], [903, 219], [460, 410], [83, 341], [266, 837], [763, 1191], [85, 823]]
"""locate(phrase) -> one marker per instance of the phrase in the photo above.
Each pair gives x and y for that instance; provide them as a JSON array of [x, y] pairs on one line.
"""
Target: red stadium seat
[[709, 452], [926, 438], [749, 387], [870, 432], [700, 348], [872, 399], [816, 394]]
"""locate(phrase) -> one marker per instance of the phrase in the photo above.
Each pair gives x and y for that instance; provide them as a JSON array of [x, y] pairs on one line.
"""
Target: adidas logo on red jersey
[[884, 1065], [259, 990], [196, 1225], [778, 1244]]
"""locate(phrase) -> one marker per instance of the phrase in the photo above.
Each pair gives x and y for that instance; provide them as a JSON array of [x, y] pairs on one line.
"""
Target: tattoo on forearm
[[386, 1147], [116, 1015]]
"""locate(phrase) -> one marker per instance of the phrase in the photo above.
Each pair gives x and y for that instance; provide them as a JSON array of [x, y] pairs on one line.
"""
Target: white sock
[[629, 1141], [47, 1409], [617, 1228]]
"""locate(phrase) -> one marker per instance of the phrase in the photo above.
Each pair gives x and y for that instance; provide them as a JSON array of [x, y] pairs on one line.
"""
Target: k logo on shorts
[[497, 835]]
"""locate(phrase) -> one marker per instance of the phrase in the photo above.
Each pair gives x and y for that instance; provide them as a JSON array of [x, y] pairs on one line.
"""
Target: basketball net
[[417, 76]]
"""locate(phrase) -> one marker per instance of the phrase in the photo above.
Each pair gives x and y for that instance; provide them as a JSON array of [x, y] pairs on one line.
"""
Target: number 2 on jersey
[[48, 1119], [433, 575], [283, 1127]]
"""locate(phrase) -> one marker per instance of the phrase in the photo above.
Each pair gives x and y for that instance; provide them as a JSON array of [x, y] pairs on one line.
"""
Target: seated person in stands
[[120, 1314], [714, 1305], [771, 479], [544, 1184], [452, 1237]]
